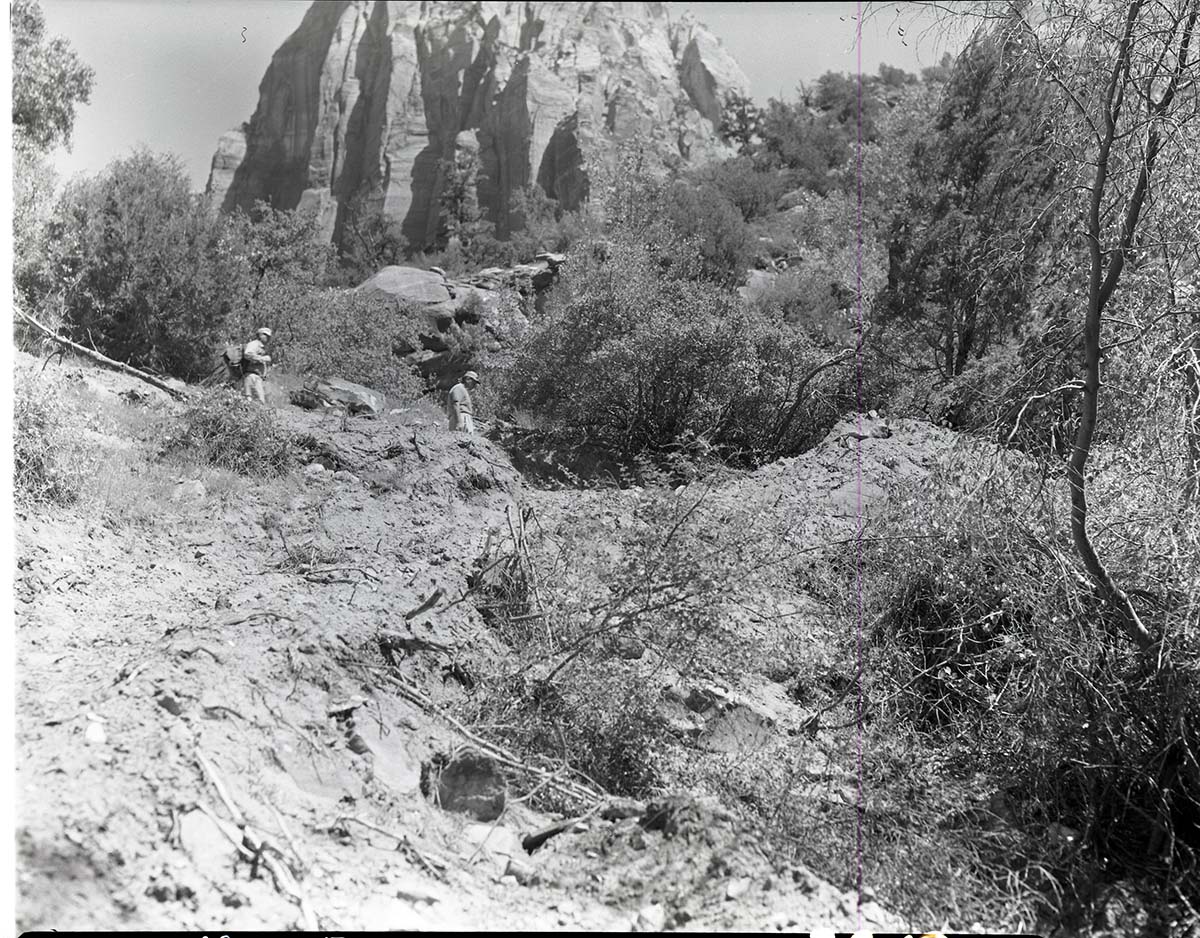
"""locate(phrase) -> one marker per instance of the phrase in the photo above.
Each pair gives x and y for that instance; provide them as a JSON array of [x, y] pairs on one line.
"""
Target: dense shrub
[[708, 225], [133, 253], [987, 646], [753, 191], [222, 429], [46, 469], [639, 361], [334, 333]]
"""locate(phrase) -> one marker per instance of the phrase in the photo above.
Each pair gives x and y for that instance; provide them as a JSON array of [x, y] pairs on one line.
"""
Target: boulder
[[410, 285], [356, 398]]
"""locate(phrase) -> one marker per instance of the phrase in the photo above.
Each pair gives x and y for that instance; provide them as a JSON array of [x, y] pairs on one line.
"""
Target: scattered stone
[[223, 602], [651, 918], [169, 703], [620, 808], [629, 648], [521, 872], [358, 745], [193, 489], [95, 734], [313, 470], [507, 880], [342, 707], [348, 477], [700, 699], [737, 888], [467, 783]]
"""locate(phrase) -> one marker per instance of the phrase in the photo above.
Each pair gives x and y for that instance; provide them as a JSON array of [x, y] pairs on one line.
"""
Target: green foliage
[[369, 242], [222, 429], [46, 469], [134, 256], [266, 242], [988, 648], [33, 200], [707, 224], [49, 81], [461, 218], [337, 334], [740, 120], [966, 241], [639, 361], [739, 180]]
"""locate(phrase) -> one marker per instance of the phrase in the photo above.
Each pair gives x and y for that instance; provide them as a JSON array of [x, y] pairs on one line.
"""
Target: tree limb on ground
[[103, 361]]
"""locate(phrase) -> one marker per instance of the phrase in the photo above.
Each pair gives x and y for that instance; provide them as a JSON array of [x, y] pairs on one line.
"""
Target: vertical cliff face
[[361, 105]]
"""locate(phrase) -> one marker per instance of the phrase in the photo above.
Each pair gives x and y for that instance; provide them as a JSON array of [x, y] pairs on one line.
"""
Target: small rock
[[698, 700], [343, 476], [508, 880], [737, 888], [468, 783], [170, 704], [629, 648], [521, 872], [651, 918], [193, 489], [223, 602], [358, 745], [314, 469], [95, 734]]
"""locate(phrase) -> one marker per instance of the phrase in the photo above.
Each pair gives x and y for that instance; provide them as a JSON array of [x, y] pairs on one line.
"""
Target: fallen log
[[102, 360]]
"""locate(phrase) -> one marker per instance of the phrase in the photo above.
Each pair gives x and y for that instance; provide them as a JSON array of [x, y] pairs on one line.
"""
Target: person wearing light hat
[[459, 404], [254, 365]]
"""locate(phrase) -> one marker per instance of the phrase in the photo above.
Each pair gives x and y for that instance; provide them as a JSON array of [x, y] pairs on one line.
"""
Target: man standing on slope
[[254, 365], [459, 404]]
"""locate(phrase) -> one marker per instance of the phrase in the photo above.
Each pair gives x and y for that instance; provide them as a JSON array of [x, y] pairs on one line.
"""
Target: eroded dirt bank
[[198, 628]]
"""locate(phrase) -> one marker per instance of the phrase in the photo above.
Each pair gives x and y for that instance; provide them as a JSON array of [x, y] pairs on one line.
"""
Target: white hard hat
[[263, 330], [471, 375]]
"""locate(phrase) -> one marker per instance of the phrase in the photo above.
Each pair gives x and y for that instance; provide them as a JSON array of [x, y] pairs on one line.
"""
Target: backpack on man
[[234, 362]]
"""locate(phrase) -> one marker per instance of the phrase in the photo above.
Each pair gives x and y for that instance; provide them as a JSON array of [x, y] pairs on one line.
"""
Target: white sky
[[176, 74]]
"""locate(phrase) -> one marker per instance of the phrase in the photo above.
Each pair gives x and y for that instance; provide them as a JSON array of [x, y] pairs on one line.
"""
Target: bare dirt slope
[[197, 631]]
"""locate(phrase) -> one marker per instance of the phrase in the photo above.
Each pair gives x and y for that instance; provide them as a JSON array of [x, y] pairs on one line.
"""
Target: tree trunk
[[1101, 283]]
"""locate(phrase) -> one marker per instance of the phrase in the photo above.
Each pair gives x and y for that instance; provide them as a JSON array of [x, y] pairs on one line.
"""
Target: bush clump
[[642, 361], [222, 429], [333, 333], [992, 652], [44, 471]]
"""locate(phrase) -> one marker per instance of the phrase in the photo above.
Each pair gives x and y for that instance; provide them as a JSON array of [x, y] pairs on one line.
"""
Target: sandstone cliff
[[361, 105]]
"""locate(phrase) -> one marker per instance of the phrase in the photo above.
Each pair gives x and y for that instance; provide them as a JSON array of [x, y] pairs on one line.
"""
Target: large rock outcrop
[[363, 103]]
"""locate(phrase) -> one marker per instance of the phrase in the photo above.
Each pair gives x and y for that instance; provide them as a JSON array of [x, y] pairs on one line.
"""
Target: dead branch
[[428, 604], [392, 642], [531, 842], [434, 867], [258, 848], [102, 360], [564, 787]]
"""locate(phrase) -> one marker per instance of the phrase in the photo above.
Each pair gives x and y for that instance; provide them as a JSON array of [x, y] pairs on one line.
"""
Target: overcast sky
[[176, 74]]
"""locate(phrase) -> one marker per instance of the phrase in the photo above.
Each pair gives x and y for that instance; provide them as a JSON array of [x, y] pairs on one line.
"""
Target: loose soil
[[194, 635]]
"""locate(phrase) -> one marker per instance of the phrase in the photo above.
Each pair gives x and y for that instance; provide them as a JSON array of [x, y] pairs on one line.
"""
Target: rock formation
[[363, 103]]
